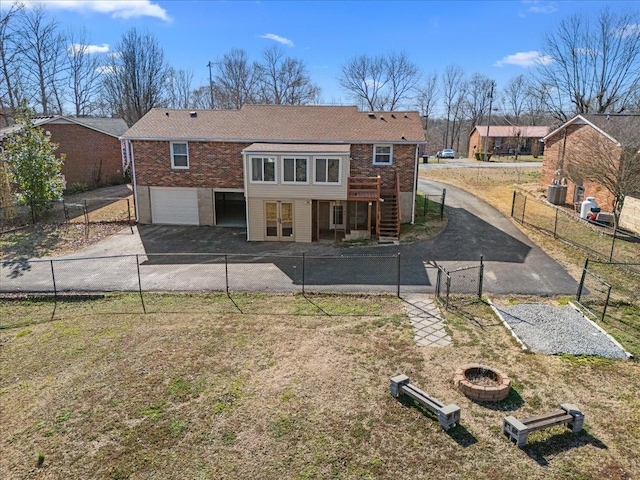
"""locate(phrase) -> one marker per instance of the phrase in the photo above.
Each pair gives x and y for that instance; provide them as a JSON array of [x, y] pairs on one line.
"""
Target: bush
[[480, 156], [78, 187]]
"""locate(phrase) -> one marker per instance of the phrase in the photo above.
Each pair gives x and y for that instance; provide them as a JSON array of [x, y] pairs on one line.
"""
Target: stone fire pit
[[479, 382]]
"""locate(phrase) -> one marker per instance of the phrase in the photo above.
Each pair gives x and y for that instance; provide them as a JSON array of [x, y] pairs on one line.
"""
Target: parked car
[[446, 153]]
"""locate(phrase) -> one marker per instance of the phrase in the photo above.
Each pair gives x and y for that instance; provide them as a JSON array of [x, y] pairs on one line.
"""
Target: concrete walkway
[[427, 323]]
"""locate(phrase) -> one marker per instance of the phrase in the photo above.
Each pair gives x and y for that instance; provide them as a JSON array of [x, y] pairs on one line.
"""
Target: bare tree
[[284, 80], [514, 98], [84, 72], [135, 80], [454, 89], [44, 59], [477, 98], [236, 78], [10, 94], [591, 65], [179, 88], [614, 164], [380, 82], [427, 97]]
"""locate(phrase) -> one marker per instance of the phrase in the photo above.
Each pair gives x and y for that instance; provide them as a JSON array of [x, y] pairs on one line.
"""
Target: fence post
[[144, 309], [444, 195], [33, 212], [398, 277], [513, 203], [129, 215], [438, 278], [226, 274], [480, 276], [524, 206], [555, 225], [303, 273], [606, 303], [584, 274], [613, 244], [55, 288], [446, 305]]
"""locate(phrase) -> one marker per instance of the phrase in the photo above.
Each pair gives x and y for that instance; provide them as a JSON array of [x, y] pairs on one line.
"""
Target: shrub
[[480, 156], [78, 187]]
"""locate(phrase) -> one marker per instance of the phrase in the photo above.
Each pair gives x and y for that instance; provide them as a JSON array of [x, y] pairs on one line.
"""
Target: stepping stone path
[[424, 316]]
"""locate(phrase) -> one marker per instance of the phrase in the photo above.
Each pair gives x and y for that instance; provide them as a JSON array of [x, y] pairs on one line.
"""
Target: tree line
[[587, 64]]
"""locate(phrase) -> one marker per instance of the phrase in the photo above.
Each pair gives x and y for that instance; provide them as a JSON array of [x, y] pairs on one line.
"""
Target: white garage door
[[174, 206]]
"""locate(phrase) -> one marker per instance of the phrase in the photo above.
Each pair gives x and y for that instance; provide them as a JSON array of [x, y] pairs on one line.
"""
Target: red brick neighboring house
[[506, 140], [578, 140], [289, 173], [91, 145]]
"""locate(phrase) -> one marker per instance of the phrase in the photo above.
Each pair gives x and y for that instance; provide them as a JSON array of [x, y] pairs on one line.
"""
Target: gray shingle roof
[[113, 126], [624, 128], [281, 124]]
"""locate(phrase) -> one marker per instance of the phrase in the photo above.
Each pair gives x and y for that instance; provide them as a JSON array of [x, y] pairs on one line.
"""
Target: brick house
[[287, 173], [91, 145], [507, 139], [579, 140]]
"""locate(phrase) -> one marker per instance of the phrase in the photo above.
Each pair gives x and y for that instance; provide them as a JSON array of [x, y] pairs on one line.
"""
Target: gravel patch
[[556, 330]]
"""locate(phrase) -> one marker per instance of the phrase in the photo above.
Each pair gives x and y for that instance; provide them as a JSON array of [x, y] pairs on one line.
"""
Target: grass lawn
[[291, 388]]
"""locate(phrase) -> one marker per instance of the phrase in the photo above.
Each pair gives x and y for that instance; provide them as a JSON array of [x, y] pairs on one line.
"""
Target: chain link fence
[[430, 204], [605, 243], [460, 286], [85, 211]]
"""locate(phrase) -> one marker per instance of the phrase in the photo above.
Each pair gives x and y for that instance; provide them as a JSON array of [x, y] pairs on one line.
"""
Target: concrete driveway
[[171, 258]]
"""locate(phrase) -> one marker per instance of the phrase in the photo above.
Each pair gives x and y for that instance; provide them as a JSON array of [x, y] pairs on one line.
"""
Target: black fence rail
[[430, 204], [459, 286], [85, 211], [203, 273], [605, 243]]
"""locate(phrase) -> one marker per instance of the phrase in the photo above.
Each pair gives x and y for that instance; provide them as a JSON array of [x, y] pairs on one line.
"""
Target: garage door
[[174, 206]]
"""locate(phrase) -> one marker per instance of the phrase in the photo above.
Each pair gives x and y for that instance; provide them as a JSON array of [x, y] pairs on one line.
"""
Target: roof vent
[[393, 115], [193, 114], [166, 113], [406, 116], [372, 115]]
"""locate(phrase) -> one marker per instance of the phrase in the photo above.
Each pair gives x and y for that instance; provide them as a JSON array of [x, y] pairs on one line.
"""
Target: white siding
[[302, 221], [256, 219]]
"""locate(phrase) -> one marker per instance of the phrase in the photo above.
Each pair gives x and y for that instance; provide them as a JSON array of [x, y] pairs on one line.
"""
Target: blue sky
[[497, 38]]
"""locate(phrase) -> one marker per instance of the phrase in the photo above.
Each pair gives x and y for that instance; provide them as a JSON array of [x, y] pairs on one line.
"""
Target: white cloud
[[116, 8], [106, 69], [630, 30], [76, 48], [278, 38], [540, 7], [524, 59]]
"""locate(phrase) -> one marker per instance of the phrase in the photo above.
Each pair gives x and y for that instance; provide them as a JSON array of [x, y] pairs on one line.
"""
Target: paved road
[[191, 258], [466, 163]]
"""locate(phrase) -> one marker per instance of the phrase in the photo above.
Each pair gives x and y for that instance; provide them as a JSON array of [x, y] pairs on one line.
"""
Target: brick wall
[[403, 162], [91, 157], [556, 154], [211, 164], [476, 144]]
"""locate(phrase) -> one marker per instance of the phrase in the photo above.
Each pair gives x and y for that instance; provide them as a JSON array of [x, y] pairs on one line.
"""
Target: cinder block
[[396, 383]]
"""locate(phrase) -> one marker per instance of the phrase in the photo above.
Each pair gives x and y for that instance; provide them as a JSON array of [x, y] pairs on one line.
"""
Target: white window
[[382, 154], [327, 170], [294, 170], [263, 170], [179, 155]]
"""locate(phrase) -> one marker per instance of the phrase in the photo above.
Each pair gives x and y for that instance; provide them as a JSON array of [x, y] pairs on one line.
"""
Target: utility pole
[[210, 84], [486, 142]]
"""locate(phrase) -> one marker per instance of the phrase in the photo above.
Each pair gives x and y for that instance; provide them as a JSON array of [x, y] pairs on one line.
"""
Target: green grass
[[201, 390]]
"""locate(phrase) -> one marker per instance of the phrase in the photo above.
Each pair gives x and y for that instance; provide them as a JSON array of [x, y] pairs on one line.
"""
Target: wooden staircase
[[389, 220]]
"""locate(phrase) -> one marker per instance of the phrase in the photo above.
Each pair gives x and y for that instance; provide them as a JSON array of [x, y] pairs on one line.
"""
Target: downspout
[[246, 199], [133, 177], [415, 188]]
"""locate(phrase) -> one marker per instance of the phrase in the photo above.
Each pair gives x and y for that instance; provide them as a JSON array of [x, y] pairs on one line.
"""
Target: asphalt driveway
[[172, 258]]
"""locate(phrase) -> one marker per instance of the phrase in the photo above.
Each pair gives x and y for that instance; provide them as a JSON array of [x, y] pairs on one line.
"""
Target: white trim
[[294, 157], [246, 199], [173, 165], [328, 157], [275, 169], [580, 120], [414, 187], [77, 122], [376, 145], [390, 141]]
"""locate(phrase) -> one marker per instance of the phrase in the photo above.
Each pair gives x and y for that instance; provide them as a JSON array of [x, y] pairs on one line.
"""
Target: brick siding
[[577, 137], [403, 162], [211, 165], [91, 157]]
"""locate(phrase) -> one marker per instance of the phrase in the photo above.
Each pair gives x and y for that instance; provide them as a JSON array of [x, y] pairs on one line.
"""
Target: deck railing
[[363, 188]]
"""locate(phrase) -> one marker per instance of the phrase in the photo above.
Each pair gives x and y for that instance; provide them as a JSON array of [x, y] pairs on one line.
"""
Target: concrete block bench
[[518, 430], [448, 415]]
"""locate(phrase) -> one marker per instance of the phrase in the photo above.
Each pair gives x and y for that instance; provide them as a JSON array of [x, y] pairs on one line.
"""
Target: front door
[[336, 219], [278, 221]]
